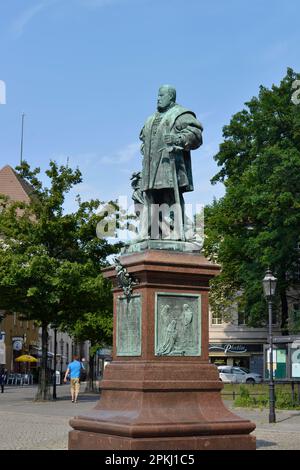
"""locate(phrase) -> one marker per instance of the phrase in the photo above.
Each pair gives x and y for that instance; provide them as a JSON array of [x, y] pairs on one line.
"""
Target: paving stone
[[30, 425]]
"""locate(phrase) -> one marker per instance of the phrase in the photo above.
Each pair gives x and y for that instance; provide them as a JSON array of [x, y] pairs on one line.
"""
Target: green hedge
[[283, 399]]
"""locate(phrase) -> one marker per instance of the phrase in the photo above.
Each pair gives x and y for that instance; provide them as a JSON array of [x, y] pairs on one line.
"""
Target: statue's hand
[[169, 139]]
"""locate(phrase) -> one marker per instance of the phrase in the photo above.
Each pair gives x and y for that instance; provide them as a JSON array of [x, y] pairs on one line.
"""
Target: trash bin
[[58, 378]]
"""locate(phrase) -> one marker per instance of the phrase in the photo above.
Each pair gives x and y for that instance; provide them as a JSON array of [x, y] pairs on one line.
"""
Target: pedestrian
[[74, 370], [3, 374]]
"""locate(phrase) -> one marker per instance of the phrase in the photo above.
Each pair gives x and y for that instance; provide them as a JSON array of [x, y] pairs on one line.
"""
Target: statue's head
[[166, 97]]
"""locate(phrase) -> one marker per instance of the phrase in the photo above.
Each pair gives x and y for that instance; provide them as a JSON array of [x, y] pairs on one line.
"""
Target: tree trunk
[[43, 392], [284, 313]]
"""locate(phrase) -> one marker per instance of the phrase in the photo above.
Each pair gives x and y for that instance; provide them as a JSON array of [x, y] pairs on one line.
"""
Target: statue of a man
[[167, 138]]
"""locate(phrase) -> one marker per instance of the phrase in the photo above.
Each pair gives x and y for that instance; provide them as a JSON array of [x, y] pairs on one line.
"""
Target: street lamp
[[54, 364], [61, 359], [269, 285]]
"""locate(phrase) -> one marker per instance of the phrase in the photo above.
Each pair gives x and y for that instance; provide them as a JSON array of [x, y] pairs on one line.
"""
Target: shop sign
[[229, 348], [17, 344], [104, 352]]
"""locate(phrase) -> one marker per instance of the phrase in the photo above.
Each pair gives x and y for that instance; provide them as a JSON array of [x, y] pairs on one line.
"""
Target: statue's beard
[[162, 109]]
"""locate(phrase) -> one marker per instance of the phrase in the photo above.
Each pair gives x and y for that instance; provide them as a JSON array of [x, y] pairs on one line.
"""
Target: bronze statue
[[167, 138]]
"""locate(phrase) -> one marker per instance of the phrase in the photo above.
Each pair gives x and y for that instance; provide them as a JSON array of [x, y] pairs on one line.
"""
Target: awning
[[39, 352]]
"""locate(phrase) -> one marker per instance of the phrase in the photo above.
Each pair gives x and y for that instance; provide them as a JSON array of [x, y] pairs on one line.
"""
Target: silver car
[[231, 374]]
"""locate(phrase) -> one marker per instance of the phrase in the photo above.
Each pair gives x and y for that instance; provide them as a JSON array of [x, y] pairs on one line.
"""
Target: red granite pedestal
[[152, 402]]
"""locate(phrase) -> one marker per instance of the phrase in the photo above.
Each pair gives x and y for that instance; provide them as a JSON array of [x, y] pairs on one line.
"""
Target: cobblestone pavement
[[282, 435], [26, 424], [30, 425]]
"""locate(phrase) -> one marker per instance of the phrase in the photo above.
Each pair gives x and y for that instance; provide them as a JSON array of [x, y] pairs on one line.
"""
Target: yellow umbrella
[[26, 358]]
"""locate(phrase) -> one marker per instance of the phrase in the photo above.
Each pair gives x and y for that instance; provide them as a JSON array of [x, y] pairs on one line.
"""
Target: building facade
[[236, 344], [19, 337], [232, 342]]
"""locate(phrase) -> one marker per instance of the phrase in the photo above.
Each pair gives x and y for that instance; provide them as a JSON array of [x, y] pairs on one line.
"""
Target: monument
[[160, 391]]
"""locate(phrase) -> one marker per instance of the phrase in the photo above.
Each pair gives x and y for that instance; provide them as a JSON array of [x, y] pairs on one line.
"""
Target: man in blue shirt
[[74, 371]]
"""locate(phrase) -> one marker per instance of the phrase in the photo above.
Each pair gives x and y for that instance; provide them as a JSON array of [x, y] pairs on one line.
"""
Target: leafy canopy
[[256, 224], [50, 262]]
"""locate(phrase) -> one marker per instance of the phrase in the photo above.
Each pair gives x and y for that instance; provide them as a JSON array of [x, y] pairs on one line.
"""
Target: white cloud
[[124, 155], [94, 160], [19, 24]]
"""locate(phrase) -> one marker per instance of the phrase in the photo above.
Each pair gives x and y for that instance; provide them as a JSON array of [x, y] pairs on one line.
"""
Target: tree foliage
[[50, 262], [256, 224]]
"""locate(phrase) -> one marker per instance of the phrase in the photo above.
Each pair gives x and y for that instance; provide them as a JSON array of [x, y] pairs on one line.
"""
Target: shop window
[[279, 362], [218, 361], [295, 362]]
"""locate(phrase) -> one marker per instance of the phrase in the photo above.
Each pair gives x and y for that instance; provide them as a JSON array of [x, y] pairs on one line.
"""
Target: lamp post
[[54, 364], [269, 285], [61, 359], [1, 318]]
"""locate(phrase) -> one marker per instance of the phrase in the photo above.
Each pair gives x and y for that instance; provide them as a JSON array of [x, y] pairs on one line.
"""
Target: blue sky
[[86, 74]]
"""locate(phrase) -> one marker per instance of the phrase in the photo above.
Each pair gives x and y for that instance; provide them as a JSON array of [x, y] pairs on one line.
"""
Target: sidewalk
[[45, 425], [282, 435], [26, 424]]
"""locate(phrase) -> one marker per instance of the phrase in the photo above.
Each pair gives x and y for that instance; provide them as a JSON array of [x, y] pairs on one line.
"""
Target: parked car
[[240, 375]]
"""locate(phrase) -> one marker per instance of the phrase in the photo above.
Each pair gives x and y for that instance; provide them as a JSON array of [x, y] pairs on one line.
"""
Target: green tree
[[257, 223], [50, 262]]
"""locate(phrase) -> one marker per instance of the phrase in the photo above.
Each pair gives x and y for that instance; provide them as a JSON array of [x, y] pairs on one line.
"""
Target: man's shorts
[[75, 384]]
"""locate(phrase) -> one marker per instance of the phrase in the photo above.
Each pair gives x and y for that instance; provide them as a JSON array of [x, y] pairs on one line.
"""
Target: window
[[296, 313], [294, 318], [216, 318], [294, 272], [241, 316], [296, 275]]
